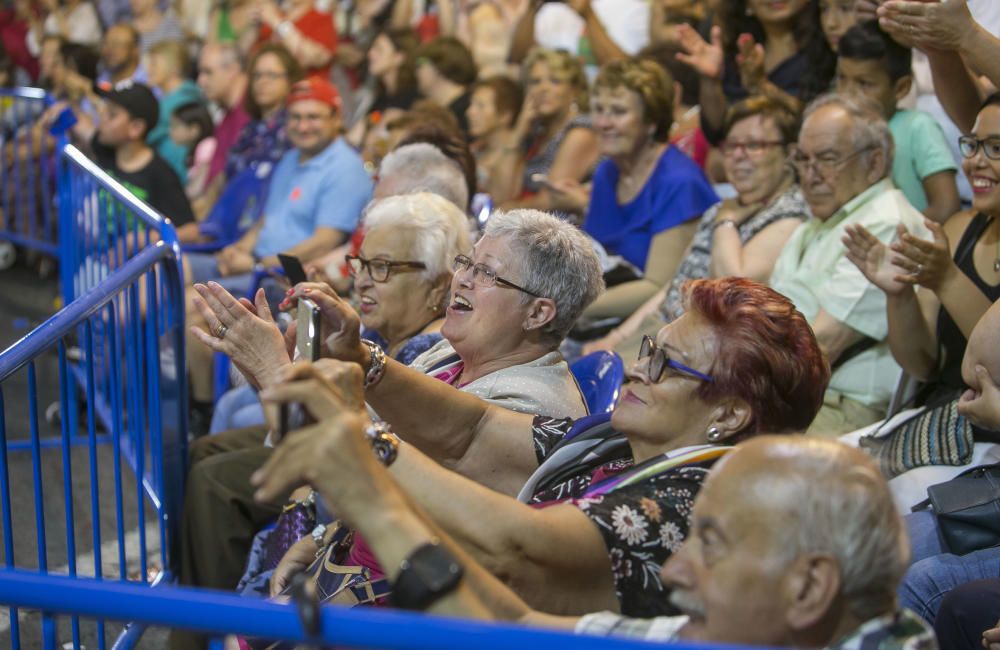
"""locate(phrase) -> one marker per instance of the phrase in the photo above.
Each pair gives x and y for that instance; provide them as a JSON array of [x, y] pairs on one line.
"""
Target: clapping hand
[[872, 258], [929, 263], [249, 335], [929, 25]]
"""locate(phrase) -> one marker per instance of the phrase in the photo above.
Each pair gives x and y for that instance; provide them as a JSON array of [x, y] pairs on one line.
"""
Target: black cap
[[137, 99]]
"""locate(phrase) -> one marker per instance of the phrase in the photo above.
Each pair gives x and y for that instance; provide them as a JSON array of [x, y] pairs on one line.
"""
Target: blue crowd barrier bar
[[130, 363], [217, 613], [28, 174]]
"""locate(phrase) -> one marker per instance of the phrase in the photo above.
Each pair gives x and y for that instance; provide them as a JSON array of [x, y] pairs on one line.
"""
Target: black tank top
[[950, 338]]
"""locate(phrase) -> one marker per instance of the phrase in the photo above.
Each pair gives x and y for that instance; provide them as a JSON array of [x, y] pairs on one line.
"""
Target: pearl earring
[[714, 435]]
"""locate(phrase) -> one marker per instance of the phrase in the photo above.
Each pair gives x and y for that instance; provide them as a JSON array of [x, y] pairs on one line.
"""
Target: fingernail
[[307, 290], [290, 292]]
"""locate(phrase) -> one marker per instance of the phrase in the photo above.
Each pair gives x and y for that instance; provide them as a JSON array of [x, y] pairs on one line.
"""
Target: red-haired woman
[[586, 535]]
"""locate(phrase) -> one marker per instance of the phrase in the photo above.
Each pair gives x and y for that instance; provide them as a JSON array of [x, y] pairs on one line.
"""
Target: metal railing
[[216, 614], [28, 213], [116, 352]]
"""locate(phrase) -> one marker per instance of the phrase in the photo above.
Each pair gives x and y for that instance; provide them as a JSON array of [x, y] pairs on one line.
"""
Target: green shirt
[[814, 272], [921, 150]]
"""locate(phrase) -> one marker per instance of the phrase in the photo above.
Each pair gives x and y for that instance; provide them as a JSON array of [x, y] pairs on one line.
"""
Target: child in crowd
[[871, 63], [119, 146], [191, 127]]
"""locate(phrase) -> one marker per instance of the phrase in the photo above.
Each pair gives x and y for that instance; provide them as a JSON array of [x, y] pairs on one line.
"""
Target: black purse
[[967, 509]]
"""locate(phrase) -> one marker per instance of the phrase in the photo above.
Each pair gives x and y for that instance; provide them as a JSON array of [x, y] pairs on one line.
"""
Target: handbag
[[967, 509], [937, 435]]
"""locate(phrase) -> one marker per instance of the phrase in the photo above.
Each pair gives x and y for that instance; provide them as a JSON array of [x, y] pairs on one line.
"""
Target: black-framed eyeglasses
[[825, 164], [659, 361], [750, 147], [378, 270], [969, 146], [484, 275]]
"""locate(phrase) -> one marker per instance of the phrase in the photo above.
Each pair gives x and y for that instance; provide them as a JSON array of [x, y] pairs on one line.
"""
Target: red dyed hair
[[767, 353]]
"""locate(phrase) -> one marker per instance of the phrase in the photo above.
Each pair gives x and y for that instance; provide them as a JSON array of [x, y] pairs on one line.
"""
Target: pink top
[[226, 133]]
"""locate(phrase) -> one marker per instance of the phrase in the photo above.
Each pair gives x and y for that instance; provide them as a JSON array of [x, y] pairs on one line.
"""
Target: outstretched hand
[[706, 58], [330, 451]]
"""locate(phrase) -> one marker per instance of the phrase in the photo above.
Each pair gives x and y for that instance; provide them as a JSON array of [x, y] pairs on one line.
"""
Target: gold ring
[[220, 331]]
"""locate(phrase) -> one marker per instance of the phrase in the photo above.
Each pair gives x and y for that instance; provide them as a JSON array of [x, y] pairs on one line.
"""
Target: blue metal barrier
[[117, 349], [28, 214], [216, 613]]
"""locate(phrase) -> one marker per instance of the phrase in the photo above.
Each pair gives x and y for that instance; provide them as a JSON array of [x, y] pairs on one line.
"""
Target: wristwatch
[[429, 573]]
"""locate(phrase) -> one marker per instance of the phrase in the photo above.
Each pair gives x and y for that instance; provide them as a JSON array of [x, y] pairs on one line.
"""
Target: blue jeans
[[935, 572], [238, 408]]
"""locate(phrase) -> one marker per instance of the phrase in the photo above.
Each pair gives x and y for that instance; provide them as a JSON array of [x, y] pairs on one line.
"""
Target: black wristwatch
[[429, 573]]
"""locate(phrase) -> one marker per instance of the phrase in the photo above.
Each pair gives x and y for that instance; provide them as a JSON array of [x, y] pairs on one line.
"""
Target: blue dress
[[676, 192]]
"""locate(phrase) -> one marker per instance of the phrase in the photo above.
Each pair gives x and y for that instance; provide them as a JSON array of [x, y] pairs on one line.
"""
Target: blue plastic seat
[[239, 207], [600, 376]]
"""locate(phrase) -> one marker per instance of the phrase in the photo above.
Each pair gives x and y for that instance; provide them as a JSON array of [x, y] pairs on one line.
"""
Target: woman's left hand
[[733, 210], [331, 450], [929, 263], [251, 337], [750, 60]]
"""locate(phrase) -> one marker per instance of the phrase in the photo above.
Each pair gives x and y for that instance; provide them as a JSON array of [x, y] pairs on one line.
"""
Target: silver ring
[[920, 269], [220, 331]]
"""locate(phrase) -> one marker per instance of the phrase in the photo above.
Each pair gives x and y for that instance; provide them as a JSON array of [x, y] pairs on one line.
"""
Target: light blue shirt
[[328, 191]]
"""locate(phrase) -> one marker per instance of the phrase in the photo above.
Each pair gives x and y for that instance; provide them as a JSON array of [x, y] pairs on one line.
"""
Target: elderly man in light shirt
[[844, 159]]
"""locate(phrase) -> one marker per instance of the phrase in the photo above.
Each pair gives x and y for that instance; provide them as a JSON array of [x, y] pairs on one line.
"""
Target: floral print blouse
[[642, 524]]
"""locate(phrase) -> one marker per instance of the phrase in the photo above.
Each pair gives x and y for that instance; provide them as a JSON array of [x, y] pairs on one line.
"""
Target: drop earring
[[714, 435]]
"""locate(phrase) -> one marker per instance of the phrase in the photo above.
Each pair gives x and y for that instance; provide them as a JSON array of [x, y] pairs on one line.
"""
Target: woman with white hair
[[401, 278]]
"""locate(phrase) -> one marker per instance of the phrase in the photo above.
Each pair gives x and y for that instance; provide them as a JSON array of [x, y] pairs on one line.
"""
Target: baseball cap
[[315, 88], [136, 98]]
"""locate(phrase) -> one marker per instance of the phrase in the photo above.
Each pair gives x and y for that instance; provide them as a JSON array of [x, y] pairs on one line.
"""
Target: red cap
[[315, 88]]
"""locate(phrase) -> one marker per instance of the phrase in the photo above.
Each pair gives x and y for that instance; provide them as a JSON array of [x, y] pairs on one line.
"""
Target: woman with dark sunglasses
[[612, 496], [959, 270]]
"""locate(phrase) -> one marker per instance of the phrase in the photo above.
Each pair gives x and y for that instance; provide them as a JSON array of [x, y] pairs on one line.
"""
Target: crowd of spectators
[[787, 211]]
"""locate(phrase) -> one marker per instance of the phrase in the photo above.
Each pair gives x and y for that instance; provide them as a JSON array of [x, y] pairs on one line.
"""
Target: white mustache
[[687, 603]]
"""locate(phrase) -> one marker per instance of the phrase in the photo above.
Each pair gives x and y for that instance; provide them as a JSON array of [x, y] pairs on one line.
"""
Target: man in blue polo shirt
[[316, 195]]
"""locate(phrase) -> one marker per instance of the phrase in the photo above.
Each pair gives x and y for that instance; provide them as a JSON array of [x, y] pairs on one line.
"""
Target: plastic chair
[[600, 376], [239, 207]]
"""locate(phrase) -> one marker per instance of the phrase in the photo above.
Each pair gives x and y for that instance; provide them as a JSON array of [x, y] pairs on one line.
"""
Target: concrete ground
[[26, 300]]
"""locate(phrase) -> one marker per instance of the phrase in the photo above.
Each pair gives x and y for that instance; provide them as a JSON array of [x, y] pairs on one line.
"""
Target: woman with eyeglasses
[[959, 270], [612, 497], [646, 195], [741, 236]]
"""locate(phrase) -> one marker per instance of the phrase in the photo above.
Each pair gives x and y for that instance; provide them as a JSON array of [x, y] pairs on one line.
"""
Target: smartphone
[[293, 268], [307, 342]]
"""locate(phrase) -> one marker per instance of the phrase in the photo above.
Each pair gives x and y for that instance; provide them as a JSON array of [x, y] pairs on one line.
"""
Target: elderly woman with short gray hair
[[514, 297]]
